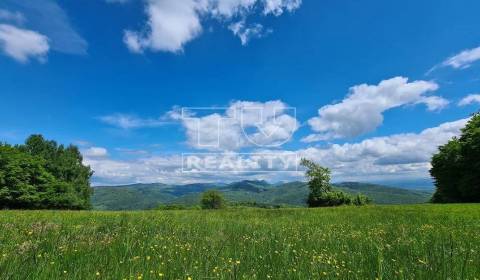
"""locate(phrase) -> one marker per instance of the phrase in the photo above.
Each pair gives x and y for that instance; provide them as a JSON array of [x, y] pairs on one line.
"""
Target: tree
[[43, 175], [321, 192], [318, 180], [212, 200], [24, 182], [456, 167]]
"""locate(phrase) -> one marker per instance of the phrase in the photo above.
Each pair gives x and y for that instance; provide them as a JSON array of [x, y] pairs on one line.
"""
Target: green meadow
[[372, 242]]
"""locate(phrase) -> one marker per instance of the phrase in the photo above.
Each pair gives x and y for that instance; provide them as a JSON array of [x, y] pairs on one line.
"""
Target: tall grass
[[375, 242]]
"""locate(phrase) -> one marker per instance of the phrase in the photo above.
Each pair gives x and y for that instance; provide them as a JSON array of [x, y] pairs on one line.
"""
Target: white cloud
[[22, 44], [362, 110], [48, 18], [124, 121], [277, 7], [95, 152], [247, 33], [400, 156], [434, 103], [172, 24], [470, 99], [397, 156], [226, 9], [242, 124], [464, 59]]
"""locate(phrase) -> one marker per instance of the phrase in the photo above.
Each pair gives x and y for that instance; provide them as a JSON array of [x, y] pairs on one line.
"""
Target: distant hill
[[148, 196]]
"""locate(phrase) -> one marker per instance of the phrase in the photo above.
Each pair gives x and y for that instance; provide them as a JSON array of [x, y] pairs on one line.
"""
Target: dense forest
[[43, 175]]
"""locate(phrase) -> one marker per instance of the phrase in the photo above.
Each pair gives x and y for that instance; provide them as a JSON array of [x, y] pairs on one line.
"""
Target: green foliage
[[321, 192], [291, 194], [43, 175], [456, 167], [212, 200], [337, 198], [318, 177]]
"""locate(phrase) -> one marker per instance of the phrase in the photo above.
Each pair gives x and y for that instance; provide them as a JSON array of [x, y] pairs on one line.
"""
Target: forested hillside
[[147, 196]]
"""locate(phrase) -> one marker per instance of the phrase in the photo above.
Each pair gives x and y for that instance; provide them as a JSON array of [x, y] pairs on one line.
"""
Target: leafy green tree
[[24, 182], [456, 167], [212, 200], [321, 192], [43, 175]]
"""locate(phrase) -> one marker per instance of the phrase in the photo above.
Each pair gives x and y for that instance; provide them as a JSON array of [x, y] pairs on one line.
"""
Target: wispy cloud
[[95, 152], [246, 33], [48, 18], [125, 121], [469, 99], [462, 60], [8, 16]]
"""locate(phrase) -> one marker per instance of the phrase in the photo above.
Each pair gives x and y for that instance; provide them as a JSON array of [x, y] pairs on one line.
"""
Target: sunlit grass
[[384, 242]]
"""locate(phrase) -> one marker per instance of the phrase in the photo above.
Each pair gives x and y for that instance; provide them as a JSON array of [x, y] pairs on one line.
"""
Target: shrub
[[212, 200], [337, 198]]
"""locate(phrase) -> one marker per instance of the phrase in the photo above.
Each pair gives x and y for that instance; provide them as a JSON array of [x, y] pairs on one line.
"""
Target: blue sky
[[112, 76]]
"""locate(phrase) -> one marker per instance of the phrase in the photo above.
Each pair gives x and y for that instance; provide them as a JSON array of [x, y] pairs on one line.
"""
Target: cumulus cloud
[[23, 44], [362, 110], [125, 121], [172, 24], [469, 99], [242, 124], [400, 156], [397, 156]]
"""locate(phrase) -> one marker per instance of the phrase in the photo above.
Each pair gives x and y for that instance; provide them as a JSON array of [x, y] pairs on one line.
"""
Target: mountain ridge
[[294, 194]]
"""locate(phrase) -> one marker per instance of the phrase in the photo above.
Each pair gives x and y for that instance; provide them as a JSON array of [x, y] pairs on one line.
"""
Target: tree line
[[42, 174]]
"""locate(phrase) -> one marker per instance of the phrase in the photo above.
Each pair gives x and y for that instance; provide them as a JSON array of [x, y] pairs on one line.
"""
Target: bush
[[321, 191], [212, 200], [337, 198]]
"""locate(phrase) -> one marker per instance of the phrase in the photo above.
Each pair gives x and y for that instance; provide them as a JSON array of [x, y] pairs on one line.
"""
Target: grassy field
[[383, 242]]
